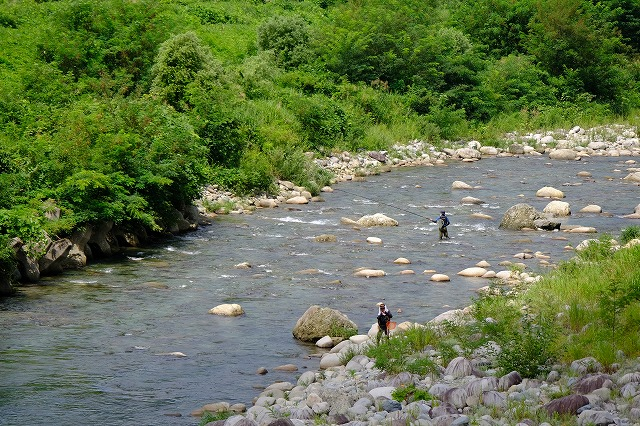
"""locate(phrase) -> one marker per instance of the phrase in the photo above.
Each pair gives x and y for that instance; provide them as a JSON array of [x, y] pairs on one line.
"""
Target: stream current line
[[380, 202]]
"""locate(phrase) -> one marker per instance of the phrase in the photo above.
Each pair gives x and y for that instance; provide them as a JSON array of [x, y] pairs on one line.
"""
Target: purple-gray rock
[[566, 405]]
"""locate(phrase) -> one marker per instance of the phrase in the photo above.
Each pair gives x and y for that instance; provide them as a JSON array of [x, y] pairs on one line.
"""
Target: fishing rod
[[380, 202]]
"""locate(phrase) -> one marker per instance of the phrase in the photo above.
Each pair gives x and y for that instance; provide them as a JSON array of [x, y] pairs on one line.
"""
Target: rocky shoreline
[[348, 389], [466, 392], [570, 145]]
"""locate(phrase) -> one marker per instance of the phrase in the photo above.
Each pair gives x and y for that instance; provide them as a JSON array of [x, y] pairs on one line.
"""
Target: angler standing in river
[[442, 221]]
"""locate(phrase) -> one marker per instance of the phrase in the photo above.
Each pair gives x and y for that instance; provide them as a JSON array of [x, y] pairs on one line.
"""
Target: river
[[83, 347]]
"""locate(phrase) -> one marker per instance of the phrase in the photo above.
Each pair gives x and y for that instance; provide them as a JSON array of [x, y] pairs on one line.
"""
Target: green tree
[[573, 40], [182, 60], [500, 25]]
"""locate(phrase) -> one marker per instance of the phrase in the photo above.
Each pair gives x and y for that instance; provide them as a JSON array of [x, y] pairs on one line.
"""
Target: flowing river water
[[83, 347]]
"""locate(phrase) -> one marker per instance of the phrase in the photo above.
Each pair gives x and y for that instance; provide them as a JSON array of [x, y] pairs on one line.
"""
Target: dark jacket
[[383, 319]]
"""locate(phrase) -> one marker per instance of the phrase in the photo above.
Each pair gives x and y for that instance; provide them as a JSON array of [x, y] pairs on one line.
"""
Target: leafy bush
[[629, 233], [322, 121], [528, 349], [404, 352], [210, 15], [254, 176], [26, 223], [7, 258], [290, 163], [410, 393], [288, 37], [338, 330]]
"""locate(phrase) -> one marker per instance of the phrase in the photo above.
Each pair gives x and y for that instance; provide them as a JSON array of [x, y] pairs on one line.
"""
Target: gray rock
[[378, 156], [306, 378], [477, 386], [459, 367], [563, 154], [493, 399], [443, 410], [448, 420], [467, 153], [629, 378], [547, 224], [281, 422], [357, 411], [56, 252], [389, 405], [516, 149], [338, 419], [456, 397], [103, 242], [439, 389], [596, 418], [377, 219]]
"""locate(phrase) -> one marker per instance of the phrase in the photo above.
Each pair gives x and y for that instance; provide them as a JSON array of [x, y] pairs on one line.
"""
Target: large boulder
[[473, 272], [458, 184], [77, 257], [103, 242], [27, 265], [520, 216], [377, 219], [546, 224], [56, 252], [318, 322], [6, 289]]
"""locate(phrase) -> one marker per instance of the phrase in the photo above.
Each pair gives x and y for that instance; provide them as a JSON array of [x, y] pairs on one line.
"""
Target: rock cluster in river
[[351, 390]]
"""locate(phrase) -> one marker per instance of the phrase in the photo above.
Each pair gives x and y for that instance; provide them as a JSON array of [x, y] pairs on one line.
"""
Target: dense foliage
[[120, 110]]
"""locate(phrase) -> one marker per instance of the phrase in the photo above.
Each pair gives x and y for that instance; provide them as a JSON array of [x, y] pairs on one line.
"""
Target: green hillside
[[121, 110]]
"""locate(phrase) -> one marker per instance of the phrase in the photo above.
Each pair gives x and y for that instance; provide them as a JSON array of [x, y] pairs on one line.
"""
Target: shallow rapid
[[86, 347]]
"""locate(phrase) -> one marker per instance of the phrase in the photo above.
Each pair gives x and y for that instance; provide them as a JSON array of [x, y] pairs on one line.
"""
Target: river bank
[[574, 144]]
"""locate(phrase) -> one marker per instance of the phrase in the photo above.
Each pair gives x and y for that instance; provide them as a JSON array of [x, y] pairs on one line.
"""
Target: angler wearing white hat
[[384, 316]]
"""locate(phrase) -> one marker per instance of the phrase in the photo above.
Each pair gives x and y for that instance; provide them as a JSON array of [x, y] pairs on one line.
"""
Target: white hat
[[380, 304]]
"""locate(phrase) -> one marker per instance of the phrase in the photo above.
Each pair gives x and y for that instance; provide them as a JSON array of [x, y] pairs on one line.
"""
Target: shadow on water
[[93, 345]]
